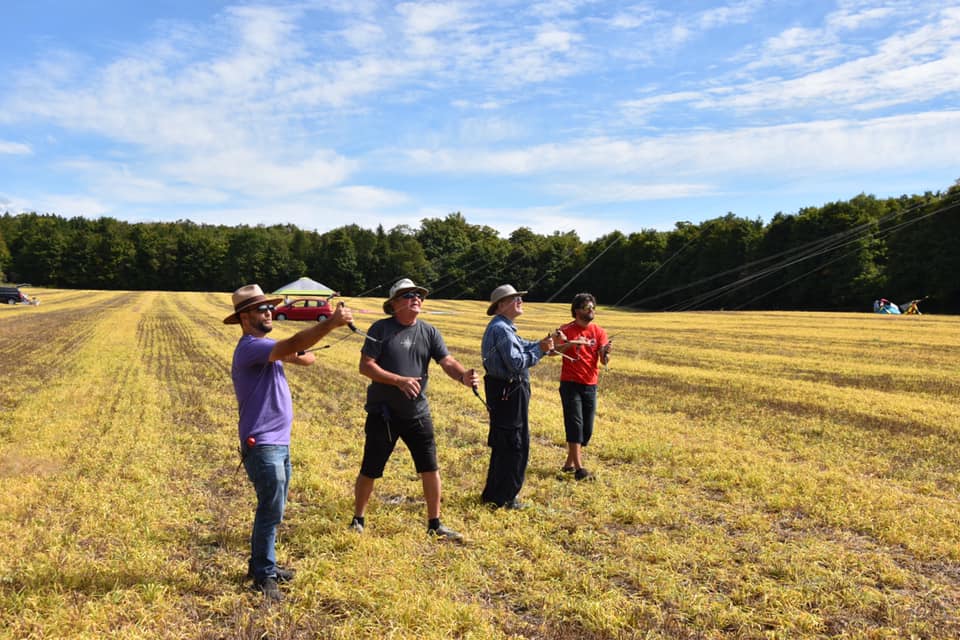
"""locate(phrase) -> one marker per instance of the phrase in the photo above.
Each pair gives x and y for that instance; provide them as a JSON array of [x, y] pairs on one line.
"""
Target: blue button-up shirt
[[505, 354]]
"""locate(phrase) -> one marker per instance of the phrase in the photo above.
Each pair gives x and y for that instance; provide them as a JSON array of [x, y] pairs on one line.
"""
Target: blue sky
[[559, 115]]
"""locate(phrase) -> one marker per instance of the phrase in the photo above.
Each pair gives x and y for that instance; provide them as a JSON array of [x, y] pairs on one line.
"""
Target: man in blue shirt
[[266, 417], [507, 359]]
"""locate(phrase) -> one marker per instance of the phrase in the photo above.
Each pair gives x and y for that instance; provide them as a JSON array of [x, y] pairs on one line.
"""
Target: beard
[[262, 326]]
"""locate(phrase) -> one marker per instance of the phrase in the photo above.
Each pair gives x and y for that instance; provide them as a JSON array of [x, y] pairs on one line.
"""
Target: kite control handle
[[352, 326]]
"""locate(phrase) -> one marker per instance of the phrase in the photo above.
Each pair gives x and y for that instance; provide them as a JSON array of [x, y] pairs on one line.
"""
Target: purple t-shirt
[[266, 410]]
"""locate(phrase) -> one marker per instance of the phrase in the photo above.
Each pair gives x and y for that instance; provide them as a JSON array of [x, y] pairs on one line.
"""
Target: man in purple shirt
[[266, 416]]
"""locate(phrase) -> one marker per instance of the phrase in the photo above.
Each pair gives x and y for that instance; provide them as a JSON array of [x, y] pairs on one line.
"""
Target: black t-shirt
[[406, 351]]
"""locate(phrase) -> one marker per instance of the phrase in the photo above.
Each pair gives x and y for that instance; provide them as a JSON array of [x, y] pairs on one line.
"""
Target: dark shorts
[[382, 435], [579, 408]]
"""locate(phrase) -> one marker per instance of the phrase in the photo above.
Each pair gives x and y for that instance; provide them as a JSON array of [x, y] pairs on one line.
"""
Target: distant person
[[912, 308], [507, 359], [396, 356], [585, 347], [266, 417]]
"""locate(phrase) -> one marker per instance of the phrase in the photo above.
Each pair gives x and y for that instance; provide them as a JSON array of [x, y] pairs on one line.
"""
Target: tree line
[[839, 256]]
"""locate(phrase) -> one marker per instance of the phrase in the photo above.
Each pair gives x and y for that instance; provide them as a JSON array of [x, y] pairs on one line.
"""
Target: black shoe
[[282, 575], [268, 587], [516, 505], [583, 474], [445, 533], [567, 469], [355, 525]]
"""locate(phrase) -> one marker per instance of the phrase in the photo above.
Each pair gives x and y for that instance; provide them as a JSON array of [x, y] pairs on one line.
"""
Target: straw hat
[[500, 293], [245, 297]]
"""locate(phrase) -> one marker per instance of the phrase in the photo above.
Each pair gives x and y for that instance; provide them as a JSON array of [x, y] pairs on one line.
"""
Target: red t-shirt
[[586, 366]]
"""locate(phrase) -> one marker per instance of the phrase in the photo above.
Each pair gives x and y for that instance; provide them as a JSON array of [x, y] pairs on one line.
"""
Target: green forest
[[839, 256]]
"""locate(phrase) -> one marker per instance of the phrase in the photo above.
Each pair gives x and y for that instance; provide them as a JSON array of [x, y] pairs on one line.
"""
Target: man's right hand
[[546, 345], [342, 316], [409, 386]]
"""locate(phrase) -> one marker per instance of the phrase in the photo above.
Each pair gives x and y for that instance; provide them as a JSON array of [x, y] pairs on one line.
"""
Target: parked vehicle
[[13, 295], [304, 309]]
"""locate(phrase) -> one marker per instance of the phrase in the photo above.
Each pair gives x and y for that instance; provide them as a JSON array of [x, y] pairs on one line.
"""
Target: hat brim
[[234, 318], [388, 304], [492, 309]]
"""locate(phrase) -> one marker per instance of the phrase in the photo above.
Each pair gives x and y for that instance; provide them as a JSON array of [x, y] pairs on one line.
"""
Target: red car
[[304, 309]]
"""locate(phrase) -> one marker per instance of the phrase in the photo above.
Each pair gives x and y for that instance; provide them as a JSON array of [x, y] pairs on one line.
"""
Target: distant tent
[[886, 307], [305, 287], [911, 308]]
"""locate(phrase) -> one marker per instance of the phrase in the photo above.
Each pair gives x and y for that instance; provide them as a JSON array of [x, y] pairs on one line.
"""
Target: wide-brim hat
[[500, 293], [245, 297], [400, 287]]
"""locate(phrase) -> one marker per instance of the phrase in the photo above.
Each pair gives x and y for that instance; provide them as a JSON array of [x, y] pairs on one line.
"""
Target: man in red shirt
[[584, 346]]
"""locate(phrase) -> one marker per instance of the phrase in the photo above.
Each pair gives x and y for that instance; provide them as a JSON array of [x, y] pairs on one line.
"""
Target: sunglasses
[[264, 307], [588, 307], [412, 294]]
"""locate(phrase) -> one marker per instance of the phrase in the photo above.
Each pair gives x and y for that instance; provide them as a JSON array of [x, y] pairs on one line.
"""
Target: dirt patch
[[13, 465]]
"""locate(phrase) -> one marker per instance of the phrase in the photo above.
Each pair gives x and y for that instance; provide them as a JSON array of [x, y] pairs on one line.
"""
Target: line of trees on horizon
[[839, 256]]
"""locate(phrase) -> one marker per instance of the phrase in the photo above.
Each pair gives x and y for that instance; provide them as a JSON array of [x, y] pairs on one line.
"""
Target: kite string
[[577, 274], [799, 254], [652, 273]]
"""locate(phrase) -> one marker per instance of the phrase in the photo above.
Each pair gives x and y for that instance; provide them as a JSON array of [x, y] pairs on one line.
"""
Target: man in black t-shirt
[[396, 357]]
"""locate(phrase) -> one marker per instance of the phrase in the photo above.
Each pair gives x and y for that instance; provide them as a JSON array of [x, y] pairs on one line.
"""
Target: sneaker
[[583, 474], [269, 588], [445, 533], [516, 505], [567, 469], [282, 575], [355, 526]]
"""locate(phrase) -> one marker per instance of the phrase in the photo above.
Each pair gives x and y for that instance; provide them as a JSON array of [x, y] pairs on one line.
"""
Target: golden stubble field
[[758, 475]]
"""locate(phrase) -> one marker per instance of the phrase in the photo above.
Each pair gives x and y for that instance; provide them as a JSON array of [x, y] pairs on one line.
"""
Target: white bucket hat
[[400, 287]]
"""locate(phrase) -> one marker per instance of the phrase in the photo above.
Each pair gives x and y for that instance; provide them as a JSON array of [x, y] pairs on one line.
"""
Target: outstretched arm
[[305, 339]]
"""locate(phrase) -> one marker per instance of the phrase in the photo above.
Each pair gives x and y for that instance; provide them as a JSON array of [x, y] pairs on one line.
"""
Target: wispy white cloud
[[76, 204], [630, 18], [733, 13], [367, 197], [15, 148], [426, 18], [606, 192], [638, 110], [553, 9], [926, 139], [539, 219], [255, 174], [851, 19], [911, 66]]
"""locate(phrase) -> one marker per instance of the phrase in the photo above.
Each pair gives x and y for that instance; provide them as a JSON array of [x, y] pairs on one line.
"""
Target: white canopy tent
[[305, 287]]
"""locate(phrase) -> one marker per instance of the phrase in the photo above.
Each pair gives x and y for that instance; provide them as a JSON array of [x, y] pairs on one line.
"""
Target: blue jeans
[[268, 467]]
